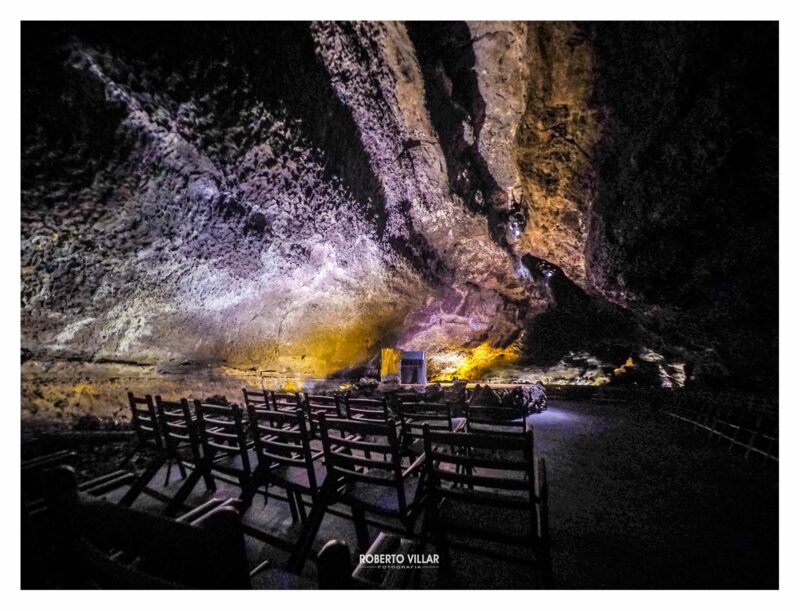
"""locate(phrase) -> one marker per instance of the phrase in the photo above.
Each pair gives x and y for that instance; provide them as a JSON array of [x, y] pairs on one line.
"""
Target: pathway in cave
[[641, 501]]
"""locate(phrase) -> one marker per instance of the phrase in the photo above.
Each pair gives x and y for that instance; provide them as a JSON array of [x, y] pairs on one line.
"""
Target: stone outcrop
[[555, 146]]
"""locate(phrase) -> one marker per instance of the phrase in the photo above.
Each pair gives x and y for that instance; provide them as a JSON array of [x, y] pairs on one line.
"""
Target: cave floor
[[637, 500]]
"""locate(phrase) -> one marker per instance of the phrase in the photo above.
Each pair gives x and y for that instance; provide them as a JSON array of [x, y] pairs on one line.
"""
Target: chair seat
[[298, 476], [381, 498], [417, 447]]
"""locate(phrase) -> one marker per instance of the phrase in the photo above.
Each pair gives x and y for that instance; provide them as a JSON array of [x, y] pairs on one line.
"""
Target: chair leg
[[245, 484], [257, 479], [301, 506], [334, 567], [362, 532], [249, 493], [186, 488], [169, 472], [181, 466], [208, 479], [292, 506], [426, 524], [311, 528], [140, 484]]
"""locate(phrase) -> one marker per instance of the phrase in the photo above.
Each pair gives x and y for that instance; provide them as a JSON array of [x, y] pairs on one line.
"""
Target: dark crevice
[[577, 322]]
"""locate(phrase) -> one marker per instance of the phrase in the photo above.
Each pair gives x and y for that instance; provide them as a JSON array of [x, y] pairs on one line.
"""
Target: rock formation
[[210, 205]]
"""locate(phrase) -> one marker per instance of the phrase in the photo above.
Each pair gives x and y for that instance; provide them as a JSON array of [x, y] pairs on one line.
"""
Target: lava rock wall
[[208, 205]]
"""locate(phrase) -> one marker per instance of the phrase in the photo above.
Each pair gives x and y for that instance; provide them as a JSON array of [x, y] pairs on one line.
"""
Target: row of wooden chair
[[213, 433], [413, 405], [340, 405], [463, 483], [360, 453]]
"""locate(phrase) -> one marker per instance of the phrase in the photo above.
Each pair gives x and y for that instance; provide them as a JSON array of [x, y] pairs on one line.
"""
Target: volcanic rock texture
[[210, 205]]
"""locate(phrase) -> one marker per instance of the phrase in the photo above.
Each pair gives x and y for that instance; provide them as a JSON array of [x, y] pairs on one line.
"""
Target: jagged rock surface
[[554, 147], [211, 205]]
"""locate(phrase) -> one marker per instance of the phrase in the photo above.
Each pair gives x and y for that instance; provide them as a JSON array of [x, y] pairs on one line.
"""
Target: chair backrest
[[413, 416], [256, 398], [283, 439], [144, 419], [330, 405], [368, 409], [177, 425], [487, 470], [496, 420], [285, 400], [347, 444], [223, 429], [150, 551]]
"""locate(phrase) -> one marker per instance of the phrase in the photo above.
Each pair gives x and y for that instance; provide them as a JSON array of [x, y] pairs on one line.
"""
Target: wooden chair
[[144, 419], [145, 424], [178, 436], [370, 410], [285, 456], [382, 487], [438, 416], [286, 401], [227, 449], [376, 410], [181, 438], [495, 500], [497, 420], [257, 398], [330, 405], [314, 405]]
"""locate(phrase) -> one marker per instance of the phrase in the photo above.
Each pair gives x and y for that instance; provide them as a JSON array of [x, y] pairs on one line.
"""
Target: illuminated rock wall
[[206, 206], [555, 146]]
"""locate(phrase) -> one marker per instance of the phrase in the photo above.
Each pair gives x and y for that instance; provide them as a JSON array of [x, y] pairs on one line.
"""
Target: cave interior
[[285, 205]]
